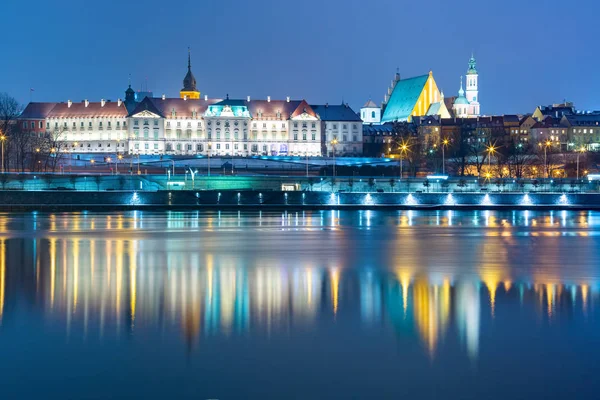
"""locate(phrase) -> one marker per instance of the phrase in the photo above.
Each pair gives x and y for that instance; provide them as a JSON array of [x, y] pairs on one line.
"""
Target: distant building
[[466, 105], [370, 113], [408, 98], [582, 130], [549, 129], [33, 118], [341, 124], [378, 138], [555, 111], [189, 90], [190, 125]]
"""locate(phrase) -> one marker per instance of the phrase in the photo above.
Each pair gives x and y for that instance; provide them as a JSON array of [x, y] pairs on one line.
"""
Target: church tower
[[472, 92], [189, 90]]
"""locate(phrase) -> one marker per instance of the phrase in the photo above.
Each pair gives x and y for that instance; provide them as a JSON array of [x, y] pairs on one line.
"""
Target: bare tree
[[10, 109]]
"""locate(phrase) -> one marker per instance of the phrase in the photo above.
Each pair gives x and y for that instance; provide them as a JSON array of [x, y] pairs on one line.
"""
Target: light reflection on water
[[444, 278]]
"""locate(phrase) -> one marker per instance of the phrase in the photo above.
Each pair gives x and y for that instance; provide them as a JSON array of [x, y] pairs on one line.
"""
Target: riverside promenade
[[104, 192]]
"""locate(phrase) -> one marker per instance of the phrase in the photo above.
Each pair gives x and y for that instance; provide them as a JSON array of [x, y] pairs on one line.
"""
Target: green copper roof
[[404, 98], [472, 67]]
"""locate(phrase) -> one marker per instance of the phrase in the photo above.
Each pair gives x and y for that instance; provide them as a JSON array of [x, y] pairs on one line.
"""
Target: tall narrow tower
[[472, 92], [189, 90]]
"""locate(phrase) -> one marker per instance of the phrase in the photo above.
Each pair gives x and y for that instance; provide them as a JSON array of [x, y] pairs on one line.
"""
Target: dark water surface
[[307, 305]]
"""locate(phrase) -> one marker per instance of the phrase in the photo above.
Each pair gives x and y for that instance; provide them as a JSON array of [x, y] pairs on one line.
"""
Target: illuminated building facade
[[191, 125], [412, 97]]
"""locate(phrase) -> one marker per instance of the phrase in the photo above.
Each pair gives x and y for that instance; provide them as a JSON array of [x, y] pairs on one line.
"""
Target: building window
[[314, 136], [218, 146], [136, 122], [334, 126], [303, 135], [372, 114], [295, 136], [146, 147], [155, 146]]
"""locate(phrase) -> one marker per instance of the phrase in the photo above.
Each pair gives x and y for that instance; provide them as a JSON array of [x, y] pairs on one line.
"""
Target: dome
[[461, 100]]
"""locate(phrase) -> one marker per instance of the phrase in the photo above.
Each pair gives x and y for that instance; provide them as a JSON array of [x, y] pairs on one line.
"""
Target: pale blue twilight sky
[[528, 52]]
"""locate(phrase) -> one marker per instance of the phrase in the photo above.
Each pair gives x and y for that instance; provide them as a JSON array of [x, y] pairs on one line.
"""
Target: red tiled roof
[[269, 109], [37, 110], [93, 109], [183, 108]]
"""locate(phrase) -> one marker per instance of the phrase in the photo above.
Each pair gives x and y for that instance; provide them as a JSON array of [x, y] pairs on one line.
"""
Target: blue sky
[[528, 52]]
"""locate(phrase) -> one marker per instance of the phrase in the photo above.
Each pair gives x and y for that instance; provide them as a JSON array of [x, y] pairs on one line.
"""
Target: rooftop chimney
[[163, 96], [87, 103], [69, 102], [102, 102], [287, 99], [119, 102], [248, 99], [268, 99], [205, 98]]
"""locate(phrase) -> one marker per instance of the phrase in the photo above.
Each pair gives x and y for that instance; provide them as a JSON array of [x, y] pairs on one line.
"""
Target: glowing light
[[563, 199], [335, 286], [368, 199], [526, 200], [450, 201], [410, 200], [486, 201]]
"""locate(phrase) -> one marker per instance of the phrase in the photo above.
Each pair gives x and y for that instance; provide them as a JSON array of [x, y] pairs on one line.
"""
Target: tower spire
[[189, 59]]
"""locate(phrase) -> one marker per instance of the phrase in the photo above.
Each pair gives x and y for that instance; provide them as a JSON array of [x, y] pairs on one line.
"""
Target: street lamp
[[445, 143], [579, 152], [2, 139], [403, 150], [333, 143], [491, 150], [547, 144], [119, 157]]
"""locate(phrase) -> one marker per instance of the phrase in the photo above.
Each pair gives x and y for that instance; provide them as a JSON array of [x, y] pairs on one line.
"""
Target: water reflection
[[203, 275]]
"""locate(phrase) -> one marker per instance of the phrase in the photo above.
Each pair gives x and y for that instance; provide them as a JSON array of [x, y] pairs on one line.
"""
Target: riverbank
[[21, 200]]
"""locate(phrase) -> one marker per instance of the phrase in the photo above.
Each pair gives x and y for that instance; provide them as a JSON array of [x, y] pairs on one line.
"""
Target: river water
[[298, 305]]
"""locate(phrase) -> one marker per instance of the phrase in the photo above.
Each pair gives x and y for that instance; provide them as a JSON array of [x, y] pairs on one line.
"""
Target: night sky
[[528, 52]]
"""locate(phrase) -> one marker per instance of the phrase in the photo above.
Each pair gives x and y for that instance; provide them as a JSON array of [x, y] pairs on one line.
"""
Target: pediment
[[305, 117], [145, 114]]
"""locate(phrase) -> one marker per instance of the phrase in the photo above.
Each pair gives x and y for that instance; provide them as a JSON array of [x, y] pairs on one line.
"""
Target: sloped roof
[[370, 104], [583, 119], [378, 130], [93, 109], [404, 98], [342, 112], [183, 108], [269, 109], [434, 108], [37, 110], [302, 108]]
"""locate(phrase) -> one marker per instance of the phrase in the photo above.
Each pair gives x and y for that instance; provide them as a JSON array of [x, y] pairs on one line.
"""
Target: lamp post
[[2, 139], [119, 157], [108, 160], [579, 152], [333, 143], [444, 144], [491, 149], [138, 167], [403, 150], [546, 145]]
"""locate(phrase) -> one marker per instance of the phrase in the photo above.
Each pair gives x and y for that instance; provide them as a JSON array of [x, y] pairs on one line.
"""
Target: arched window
[[372, 114]]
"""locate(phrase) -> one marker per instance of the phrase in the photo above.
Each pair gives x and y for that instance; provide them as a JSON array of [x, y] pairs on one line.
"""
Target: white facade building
[[467, 104], [342, 129], [370, 113]]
